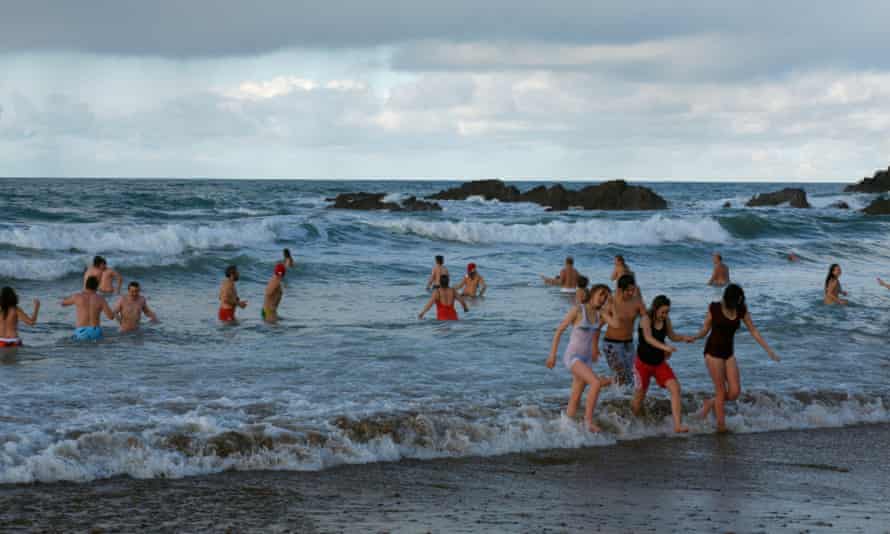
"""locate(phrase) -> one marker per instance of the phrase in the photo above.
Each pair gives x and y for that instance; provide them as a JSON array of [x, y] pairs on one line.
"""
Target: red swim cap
[[471, 267], [280, 270]]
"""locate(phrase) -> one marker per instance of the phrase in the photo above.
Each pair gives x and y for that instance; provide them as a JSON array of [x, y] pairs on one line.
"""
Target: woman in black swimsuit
[[722, 321]]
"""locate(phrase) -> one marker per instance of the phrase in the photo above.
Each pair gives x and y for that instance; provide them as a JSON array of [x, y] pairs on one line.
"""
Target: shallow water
[[350, 374]]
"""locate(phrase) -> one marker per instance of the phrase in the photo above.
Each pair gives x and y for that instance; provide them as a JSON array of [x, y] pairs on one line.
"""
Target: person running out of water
[[444, 297], [883, 283], [228, 295], [652, 355], [89, 307], [106, 276], [720, 276], [473, 284], [581, 293], [288, 260], [721, 323], [272, 296], [10, 315], [582, 352], [129, 308], [567, 277], [833, 290], [620, 314], [439, 270], [620, 269]]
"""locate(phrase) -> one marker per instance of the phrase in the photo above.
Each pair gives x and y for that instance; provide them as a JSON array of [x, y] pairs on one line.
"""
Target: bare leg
[[717, 370], [733, 379], [586, 375], [676, 406], [575, 396], [636, 404]]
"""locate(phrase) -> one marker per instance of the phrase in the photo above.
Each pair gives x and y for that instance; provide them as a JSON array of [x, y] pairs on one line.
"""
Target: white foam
[[653, 231], [395, 198]]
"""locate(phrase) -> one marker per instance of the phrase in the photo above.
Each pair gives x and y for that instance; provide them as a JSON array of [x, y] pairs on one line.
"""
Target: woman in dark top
[[722, 322], [652, 356]]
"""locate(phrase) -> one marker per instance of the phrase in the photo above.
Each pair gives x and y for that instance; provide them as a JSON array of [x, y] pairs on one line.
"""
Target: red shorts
[[227, 314], [644, 373]]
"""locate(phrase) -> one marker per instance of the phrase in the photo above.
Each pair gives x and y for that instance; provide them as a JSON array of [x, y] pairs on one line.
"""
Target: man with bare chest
[[621, 315], [129, 309]]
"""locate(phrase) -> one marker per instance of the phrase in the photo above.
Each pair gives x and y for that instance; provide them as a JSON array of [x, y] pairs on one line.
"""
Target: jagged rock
[[374, 201], [797, 198], [840, 205], [614, 195], [879, 206], [878, 183]]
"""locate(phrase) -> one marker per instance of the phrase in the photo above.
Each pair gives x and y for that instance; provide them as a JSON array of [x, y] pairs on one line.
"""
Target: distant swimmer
[[439, 270], [621, 314], [288, 260], [129, 309], [582, 352], [444, 298], [793, 258], [833, 290], [720, 276], [228, 295], [10, 315], [883, 283], [652, 356], [272, 295], [110, 281], [567, 277], [473, 285], [581, 293], [722, 322], [89, 306], [620, 268]]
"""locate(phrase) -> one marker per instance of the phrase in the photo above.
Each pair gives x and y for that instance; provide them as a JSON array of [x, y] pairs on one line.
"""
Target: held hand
[[671, 349], [689, 339], [242, 304]]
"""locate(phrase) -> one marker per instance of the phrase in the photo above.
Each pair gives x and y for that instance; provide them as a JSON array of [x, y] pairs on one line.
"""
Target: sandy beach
[[831, 480]]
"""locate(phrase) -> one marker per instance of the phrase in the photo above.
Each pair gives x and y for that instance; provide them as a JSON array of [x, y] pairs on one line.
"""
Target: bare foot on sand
[[682, 429]]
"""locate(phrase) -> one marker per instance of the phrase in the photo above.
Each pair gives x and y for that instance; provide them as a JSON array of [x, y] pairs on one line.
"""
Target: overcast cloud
[[658, 90]]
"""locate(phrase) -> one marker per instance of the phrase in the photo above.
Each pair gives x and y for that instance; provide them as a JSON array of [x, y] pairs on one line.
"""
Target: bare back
[[9, 324], [89, 307], [568, 278], [446, 296], [272, 297]]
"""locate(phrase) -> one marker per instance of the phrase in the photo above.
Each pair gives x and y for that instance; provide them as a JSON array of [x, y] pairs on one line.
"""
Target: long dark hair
[[8, 300], [830, 276], [658, 302], [287, 253], [734, 297]]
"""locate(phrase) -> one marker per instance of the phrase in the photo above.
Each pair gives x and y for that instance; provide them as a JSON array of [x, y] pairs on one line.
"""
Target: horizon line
[[437, 179]]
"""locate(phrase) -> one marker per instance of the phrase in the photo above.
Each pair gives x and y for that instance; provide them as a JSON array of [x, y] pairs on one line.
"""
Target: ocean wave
[[652, 231], [194, 445]]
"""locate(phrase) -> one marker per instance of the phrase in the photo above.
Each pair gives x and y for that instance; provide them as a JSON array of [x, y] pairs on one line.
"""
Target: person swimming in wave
[[582, 352], [10, 315], [651, 360], [439, 270], [720, 276], [129, 309], [106, 276], [720, 326], [620, 269], [228, 296], [833, 290], [620, 314], [567, 277], [272, 295], [472, 283], [288, 260], [89, 307], [444, 298]]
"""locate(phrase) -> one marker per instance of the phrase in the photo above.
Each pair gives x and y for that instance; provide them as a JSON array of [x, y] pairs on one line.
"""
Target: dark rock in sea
[[797, 198], [727, 204], [374, 201], [840, 205], [614, 195], [879, 206], [878, 183]]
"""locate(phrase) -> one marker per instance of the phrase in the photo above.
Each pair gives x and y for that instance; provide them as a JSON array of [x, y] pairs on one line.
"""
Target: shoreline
[[831, 480]]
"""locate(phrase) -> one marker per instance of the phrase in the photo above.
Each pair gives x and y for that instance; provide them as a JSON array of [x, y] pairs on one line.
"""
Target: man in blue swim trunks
[[89, 306]]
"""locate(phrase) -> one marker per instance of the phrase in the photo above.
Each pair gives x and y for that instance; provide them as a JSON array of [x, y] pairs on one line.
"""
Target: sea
[[351, 375]]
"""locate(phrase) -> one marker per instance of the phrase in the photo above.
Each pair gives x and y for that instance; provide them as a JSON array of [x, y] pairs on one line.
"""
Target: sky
[[575, 89]]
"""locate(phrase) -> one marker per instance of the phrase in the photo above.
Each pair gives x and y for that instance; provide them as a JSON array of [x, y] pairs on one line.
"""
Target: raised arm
[[570, 318], [429, 304], [646, 325], [757, 337], [29, 319], [705, 328]]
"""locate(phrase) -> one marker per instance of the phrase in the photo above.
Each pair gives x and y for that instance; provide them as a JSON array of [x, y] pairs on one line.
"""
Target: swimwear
[[646, 352], [620, 355], [644, 373], [88, 333], [580, 348], [445, 312], [720, 343], [227, 314], [10, 342]]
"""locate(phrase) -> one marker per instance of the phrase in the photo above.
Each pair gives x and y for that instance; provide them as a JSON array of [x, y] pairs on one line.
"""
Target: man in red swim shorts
[[228, 296]]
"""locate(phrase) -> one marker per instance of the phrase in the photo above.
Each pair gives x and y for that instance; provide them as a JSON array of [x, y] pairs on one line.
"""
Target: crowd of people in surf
[[621, 312]]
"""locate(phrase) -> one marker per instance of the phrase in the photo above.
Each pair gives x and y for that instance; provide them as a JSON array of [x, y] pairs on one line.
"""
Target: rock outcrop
[[795, 197], [374, 201], [879, 206], [878, 183], [614, 195]]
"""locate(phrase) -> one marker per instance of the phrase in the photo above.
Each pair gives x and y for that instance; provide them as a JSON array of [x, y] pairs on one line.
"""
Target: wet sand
[[831, 480]]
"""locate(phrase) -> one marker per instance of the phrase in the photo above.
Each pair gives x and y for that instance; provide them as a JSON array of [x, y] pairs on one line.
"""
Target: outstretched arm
[[675, 336], [29, 319], [705, 329], [883, 283], [757, 337], [69, 301], [555, 281], [569, 319], [429, 304]]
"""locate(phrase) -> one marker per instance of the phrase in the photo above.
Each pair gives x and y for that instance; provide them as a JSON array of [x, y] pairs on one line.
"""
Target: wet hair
[[443, 280], [134, 283], [230, 270], [582, 282], [287, 253], [620, 259], [99, 261], [8, 300], [658, 302], [626, 281], [570, 260], [831, 276], [440, 260], [733, 297], [92, 283], [593, 290]]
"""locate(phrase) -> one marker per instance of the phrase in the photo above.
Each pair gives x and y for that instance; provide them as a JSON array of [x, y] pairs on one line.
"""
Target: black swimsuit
[[720, 343], [646, 352]]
